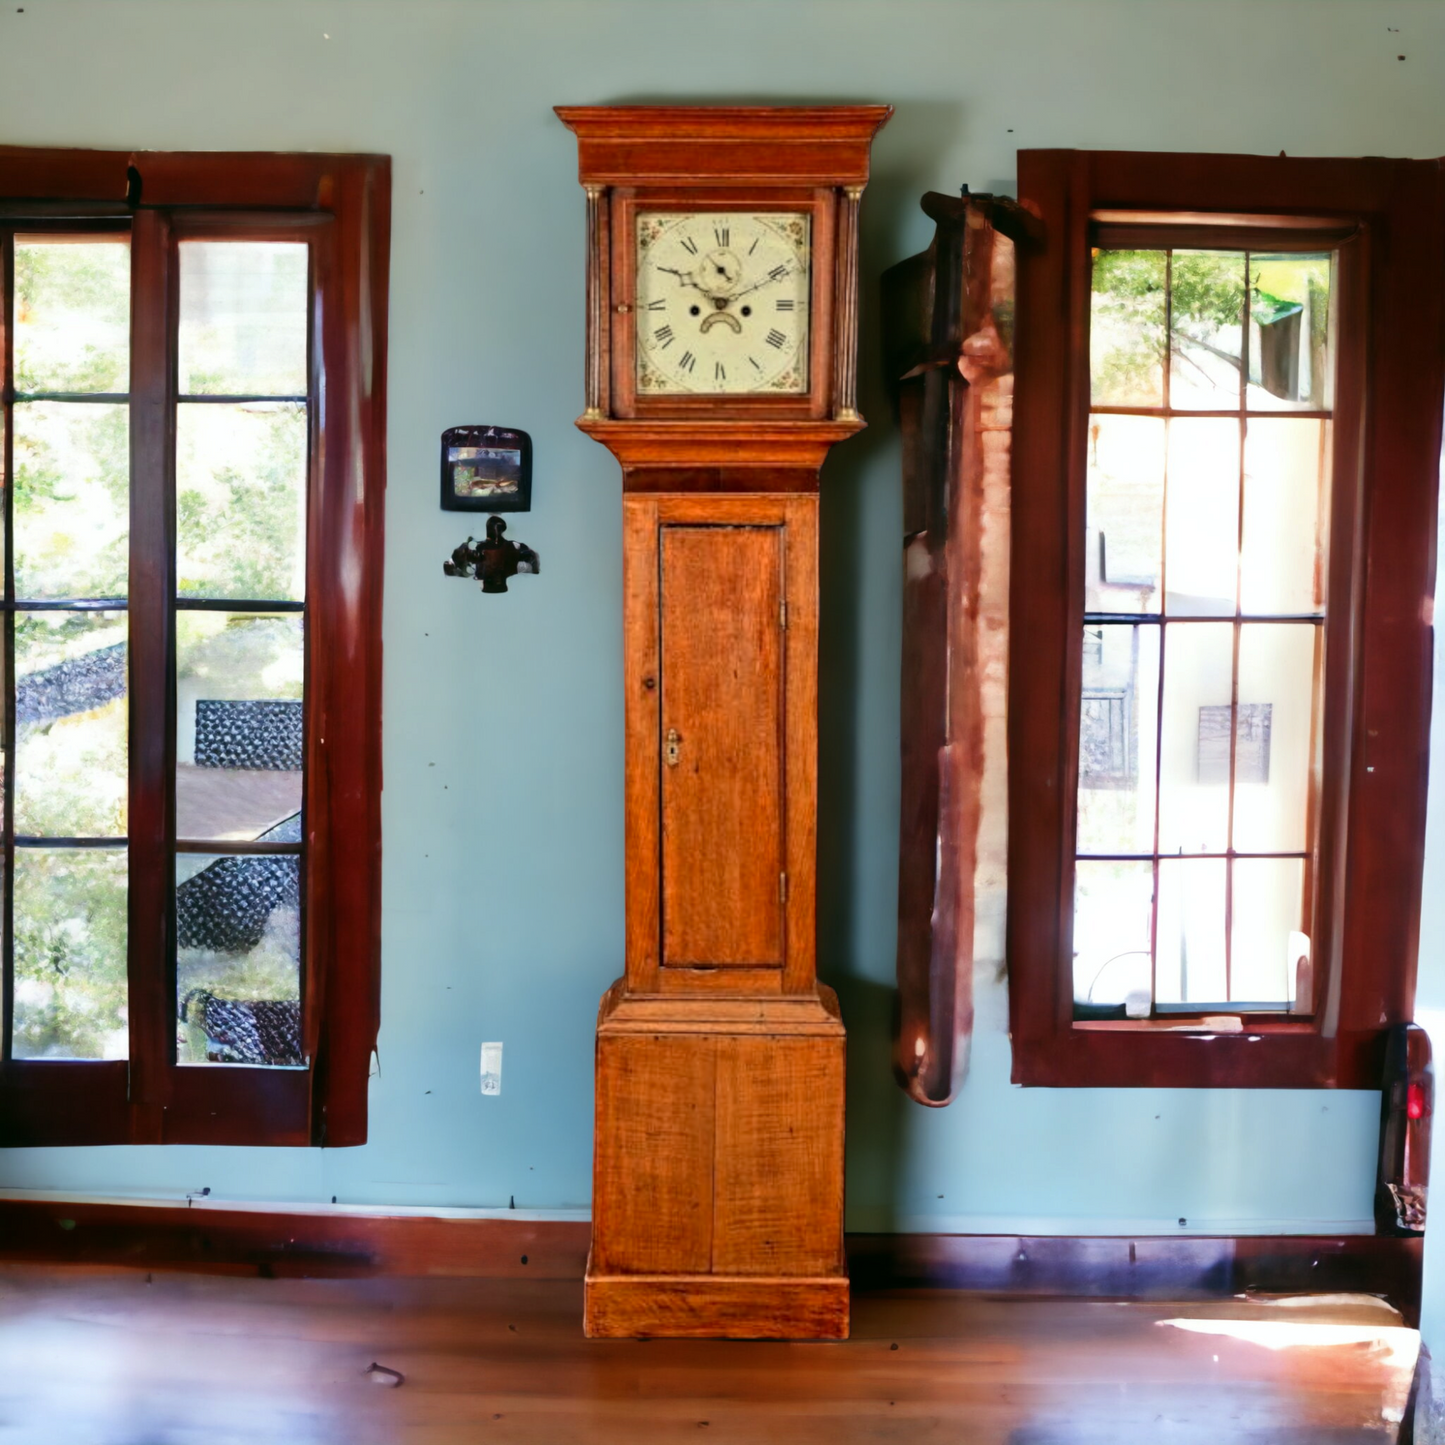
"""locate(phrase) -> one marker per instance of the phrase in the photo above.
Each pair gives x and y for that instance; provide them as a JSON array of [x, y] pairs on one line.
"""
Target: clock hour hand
[[684, 278]]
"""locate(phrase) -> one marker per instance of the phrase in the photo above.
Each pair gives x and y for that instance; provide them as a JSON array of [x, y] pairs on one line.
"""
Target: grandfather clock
[[721, 340]]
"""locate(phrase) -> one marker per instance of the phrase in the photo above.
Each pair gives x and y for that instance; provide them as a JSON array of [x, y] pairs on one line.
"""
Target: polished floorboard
[[95, 1356]]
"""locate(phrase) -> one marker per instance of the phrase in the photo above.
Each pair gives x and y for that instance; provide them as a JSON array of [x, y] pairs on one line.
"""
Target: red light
[[1415, 1102]]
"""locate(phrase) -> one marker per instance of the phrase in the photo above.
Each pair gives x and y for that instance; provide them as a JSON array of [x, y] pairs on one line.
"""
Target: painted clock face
[[722, 303]]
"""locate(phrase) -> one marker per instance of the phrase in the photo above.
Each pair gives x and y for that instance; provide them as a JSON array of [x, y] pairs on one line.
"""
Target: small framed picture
[[486, 469]]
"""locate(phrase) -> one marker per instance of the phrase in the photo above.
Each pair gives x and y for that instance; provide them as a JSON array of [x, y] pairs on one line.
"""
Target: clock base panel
[[711, 1306]]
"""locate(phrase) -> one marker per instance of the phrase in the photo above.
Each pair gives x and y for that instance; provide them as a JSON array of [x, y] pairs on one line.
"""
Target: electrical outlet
[[491, 1068]]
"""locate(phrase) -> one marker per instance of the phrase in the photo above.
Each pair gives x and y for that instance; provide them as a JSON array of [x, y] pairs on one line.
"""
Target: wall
[[503, 875]]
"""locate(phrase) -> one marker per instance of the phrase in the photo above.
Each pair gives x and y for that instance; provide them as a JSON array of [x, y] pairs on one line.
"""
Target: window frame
[[1385, 217], [341, 203]]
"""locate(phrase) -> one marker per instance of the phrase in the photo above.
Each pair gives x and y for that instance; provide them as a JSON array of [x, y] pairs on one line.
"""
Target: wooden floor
[[93, 1356]]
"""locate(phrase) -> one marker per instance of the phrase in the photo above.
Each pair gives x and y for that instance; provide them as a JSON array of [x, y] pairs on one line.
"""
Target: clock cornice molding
[[747, 145], [719, 443]]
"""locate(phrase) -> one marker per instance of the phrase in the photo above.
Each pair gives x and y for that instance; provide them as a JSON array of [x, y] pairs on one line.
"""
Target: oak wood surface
[[722, 590], [720, 629], [778, 1180], [652, 1169], [112, 1356]]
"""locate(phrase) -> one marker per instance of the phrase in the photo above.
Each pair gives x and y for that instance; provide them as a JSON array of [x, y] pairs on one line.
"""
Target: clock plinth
[[721, 322]]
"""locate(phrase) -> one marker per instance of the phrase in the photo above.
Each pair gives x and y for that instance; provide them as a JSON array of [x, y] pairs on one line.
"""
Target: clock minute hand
[[766, 281]]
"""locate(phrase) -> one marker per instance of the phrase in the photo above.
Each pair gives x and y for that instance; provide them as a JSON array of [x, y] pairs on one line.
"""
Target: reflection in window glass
[[243, 318], [1213, 531], [241, 501], [238, 962], [70, 954], [72, 314]]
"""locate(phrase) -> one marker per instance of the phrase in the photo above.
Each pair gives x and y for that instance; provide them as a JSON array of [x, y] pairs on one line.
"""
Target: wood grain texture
[[347, 1243], [948, 314], [652, 1166], [340, 206], [758, 145], [101, 1355], [778, 1177], [721, 630], [722, 704], [642, 723], [1386, 480], [713, 1306]]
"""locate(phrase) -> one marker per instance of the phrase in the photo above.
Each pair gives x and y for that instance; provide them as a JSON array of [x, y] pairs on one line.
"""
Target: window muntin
[[66, 525], [242, 426], [1201, 700]]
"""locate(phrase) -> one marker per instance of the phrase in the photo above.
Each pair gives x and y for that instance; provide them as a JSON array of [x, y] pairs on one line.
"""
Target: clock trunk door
[[723, 846]]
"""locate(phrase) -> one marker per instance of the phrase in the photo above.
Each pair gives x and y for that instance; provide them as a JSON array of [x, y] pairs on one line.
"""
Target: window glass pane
[[1275, 748], [239, 722], [1125, 514], [1290, 361], [1266, 905], [1286, 511], [72, 500], [241, 501], [1113, 912], [70, 714], [1126, 336], [70, 947], [1190, 959], [1207, 316], [243, 318], [1202, 534], [1118, 721], [238, 969], [1194, 766], [72, 314]]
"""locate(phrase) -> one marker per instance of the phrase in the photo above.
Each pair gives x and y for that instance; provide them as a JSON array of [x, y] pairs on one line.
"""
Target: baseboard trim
[[312, 1243]]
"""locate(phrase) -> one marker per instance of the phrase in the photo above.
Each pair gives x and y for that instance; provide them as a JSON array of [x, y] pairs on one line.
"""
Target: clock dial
[[722, 303]]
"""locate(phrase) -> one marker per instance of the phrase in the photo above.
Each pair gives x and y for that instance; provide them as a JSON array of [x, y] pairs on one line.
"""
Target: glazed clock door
[[723, 847]]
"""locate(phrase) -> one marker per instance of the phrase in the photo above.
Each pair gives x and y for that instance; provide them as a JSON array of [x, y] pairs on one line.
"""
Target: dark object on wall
[[948, 316], [1407, 1106], [246, 1031], [494, 560], [486, 469], [262, 734]]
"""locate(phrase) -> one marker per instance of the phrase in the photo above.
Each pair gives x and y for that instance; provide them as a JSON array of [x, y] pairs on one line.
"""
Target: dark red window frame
[[1388, 219], [341, 203]]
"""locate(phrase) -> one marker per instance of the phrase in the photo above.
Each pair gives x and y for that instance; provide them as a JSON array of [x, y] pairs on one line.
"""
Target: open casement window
[[1226, 463], [193, 412]]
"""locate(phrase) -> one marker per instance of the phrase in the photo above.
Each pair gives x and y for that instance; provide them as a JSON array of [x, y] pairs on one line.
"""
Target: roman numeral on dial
[[721, 233], [688, 245], [657, 305], [663, 336], [777, 273], [787, 304], [719, 371], [775, 339], [688, 361]]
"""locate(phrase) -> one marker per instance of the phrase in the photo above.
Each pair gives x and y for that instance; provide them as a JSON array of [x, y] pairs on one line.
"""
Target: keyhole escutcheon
[[673, 750]]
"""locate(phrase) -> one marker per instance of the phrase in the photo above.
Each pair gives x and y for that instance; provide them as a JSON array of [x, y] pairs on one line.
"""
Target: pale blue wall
[[503, 826]]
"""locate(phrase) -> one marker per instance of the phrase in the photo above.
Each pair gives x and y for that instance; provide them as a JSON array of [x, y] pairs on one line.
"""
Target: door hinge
[[782, 887], [783, 614]]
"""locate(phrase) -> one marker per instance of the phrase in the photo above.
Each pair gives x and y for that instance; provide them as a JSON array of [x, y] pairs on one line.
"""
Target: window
[[193, 353], [1228, 406]]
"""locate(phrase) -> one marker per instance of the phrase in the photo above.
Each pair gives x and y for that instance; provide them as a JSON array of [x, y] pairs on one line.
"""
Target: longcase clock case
[[718, 1160]]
